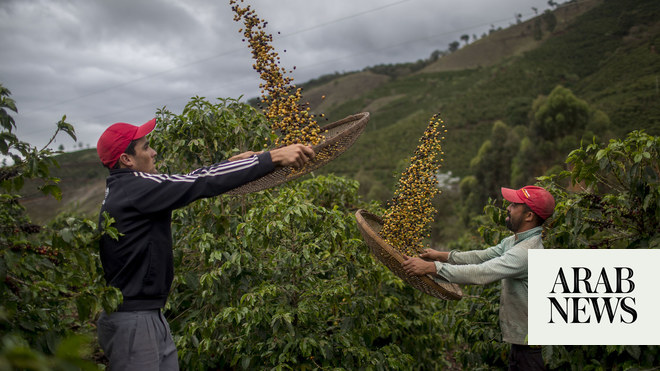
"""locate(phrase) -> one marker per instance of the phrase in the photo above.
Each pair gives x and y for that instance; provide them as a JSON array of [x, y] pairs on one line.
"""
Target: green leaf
[[245, 362], [24, 358], [18, 182], [66, 235], [547, 352], [67, 128], [84, 305], [53, 190], [633, 350], [112, 232], [4, 146], [73, 347]]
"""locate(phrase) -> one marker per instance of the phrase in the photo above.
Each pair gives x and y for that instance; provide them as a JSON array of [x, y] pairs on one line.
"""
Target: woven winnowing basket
[[339, 136], [370, 226]]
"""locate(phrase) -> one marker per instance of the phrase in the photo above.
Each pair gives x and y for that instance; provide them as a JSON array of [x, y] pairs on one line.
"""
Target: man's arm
[[417, 266], [295, 155], [425, 265], [244, 155], [431, 254], [513, 263], [169, 192]]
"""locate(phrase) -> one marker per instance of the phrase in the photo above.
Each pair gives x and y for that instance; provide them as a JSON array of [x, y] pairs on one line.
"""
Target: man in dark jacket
[[140, 262]]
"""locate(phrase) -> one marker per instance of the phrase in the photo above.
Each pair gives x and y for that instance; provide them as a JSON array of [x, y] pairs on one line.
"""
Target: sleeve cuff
[[438, 277], [266, 160], [450, 258], [438, 267]]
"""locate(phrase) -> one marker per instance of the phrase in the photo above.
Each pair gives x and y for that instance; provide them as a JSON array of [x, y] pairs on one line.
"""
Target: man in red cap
[[530, 207], [140, 261]]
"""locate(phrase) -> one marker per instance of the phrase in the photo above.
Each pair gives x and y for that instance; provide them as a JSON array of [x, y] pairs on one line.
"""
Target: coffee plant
[[609, 198], [280, 279], [51, 284]]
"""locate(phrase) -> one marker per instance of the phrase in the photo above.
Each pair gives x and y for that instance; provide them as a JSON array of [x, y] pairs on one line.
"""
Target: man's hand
[[243, 155], [417, 266], [431, 254], [295, 155]]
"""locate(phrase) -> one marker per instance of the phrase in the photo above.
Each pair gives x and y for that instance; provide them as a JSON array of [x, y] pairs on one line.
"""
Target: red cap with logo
[[538, 199], [115, 139]]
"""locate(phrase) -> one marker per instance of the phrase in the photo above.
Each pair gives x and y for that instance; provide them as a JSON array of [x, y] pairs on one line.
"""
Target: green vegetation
[[51, 282], [281, 279], [608, 57], [609, 199]]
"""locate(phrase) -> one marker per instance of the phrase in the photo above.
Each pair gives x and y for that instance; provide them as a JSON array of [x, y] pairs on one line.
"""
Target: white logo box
[[626, 280]]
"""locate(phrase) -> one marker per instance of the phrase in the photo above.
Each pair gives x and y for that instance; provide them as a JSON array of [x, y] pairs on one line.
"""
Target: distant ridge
[[606, 52], [487, 51], [509, 42]]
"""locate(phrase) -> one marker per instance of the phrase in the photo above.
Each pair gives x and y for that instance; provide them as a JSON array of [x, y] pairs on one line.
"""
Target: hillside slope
[[607, 56], [512, 41], [82, 184], [606, 52], [488, 51]]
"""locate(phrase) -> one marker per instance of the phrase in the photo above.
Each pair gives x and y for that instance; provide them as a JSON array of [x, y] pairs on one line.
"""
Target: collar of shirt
[[527, 234]]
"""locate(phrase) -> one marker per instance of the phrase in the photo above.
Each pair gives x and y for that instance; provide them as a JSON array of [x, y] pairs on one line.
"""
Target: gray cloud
[[101, 61]]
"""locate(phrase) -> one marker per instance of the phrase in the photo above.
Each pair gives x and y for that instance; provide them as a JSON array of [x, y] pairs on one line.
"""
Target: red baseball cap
[[115, 139], [538, 199]]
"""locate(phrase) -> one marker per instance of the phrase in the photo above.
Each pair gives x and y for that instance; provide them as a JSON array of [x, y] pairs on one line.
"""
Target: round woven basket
[[370, 226], [339, 136]]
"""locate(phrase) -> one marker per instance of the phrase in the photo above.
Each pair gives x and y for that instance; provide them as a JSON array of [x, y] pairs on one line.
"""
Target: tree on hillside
[[491, 167], [550, 20], [558, 122], [465, 38], [524, 164], [453, 46], [518, 111], [537, 31], [559, 114], [541, 133], [435, 55]]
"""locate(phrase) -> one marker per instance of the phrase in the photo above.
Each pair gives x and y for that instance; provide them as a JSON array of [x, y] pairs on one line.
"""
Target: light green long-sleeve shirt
[[506, 261]]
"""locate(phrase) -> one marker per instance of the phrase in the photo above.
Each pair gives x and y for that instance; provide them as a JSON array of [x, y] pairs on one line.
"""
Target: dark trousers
[[525, 358], [137, 341]]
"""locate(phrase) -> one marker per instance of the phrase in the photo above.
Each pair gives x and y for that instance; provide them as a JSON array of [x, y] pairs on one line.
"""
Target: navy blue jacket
[[140, 263]]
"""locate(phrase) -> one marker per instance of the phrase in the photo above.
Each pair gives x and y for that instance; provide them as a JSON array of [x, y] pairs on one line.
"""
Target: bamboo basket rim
[[392, 259], [339, 136]]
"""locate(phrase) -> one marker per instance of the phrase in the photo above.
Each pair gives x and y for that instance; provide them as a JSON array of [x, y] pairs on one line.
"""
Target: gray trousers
[[137, 341]]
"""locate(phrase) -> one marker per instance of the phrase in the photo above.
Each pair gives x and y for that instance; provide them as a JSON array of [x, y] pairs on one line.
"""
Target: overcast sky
[[105, 61]]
